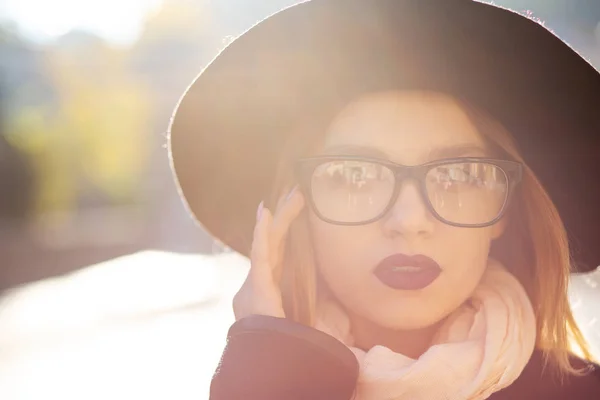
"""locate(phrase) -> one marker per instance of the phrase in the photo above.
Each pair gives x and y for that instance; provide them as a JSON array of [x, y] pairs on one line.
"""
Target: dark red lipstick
[[403, 272]]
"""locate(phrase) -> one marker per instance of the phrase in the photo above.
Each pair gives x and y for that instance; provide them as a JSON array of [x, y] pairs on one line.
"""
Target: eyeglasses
[[463, 192]]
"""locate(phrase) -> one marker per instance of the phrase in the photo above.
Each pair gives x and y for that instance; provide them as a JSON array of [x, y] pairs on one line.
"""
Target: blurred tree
[[16, 177], [34, 131], [104, 112], [89, 145], [23, 90], [22, 73], [177, 41], [16, 184]]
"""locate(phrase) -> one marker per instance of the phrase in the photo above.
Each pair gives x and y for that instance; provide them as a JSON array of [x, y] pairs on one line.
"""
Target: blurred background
[[107, 288]]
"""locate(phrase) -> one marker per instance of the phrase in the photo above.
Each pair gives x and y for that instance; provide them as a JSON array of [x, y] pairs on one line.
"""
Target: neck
[[411, 343]]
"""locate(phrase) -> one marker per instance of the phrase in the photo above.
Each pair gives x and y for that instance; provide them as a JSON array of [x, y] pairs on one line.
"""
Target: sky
[[118, 21]]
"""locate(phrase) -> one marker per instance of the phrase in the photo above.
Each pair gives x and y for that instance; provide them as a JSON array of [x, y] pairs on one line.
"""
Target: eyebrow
[[457, 150], [354, 150]]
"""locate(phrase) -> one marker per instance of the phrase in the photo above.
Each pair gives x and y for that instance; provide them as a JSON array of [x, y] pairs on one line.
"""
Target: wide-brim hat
[[231, 125]]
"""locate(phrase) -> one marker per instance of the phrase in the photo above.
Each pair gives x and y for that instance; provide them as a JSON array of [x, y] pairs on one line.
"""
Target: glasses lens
[[351, 191], [467, 193]]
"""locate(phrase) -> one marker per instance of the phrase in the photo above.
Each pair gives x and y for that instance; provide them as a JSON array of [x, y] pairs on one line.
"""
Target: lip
[[428, 271]]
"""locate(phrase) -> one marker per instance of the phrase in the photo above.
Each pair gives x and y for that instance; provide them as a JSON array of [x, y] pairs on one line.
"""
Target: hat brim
[[234, 120]]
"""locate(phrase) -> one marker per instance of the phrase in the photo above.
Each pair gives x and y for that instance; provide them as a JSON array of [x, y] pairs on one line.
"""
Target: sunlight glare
[[116, 21]]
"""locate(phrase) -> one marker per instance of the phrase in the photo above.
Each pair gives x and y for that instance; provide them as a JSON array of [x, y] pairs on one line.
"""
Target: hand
[[260, 294]]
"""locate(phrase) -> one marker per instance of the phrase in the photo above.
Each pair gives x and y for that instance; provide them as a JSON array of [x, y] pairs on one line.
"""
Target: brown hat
[[235, 118]]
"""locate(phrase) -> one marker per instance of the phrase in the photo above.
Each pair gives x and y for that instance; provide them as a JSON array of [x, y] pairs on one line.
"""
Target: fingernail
[[291, 193], [259, 212]]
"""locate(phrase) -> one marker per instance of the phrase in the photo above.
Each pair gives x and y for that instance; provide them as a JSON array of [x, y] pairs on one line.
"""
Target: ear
[[498, 228]]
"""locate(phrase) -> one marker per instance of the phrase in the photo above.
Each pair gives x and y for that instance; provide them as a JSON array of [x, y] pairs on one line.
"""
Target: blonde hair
[[534, 247]]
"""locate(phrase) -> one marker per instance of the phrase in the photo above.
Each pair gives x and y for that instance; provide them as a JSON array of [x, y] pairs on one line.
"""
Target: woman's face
[[407, 128]]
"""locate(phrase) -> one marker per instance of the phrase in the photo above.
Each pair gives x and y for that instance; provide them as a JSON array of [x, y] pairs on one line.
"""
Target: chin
[[402, 319], [407, 323]]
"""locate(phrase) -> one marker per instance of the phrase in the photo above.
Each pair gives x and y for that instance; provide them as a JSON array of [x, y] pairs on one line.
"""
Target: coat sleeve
[[268, 358]]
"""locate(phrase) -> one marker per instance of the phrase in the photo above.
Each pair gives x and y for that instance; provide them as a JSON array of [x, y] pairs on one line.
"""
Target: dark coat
[[269, 358]]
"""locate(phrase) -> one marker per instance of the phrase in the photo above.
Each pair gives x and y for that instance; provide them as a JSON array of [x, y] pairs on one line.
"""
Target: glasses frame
[[305, 167]]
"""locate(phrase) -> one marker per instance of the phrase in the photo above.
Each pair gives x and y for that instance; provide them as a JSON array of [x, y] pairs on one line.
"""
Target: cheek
[[342, 252], [463, 249], [463, 255]]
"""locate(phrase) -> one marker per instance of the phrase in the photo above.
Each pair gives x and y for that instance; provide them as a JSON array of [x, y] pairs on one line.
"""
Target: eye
[[465, 176], [355, 175], [452, 177]]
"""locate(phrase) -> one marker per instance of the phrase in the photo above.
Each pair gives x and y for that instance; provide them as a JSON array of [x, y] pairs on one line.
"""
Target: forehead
[[408, 127]]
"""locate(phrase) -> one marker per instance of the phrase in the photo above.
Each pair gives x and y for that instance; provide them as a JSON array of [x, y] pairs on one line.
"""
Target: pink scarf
[[482, 347]]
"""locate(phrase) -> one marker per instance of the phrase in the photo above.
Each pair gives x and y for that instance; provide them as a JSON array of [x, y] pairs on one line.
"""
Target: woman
[[423, 172]]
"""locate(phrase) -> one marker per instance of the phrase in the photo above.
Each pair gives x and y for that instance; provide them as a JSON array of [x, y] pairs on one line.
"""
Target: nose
[[409, 216]]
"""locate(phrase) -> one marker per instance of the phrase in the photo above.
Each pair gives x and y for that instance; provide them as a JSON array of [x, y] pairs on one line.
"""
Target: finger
[[285, 194], [290, 209], [260, 252], [274, 254]]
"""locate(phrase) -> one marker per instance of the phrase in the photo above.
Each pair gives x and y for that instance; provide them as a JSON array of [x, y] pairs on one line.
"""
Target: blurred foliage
[[93, 136], [87, 137]]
